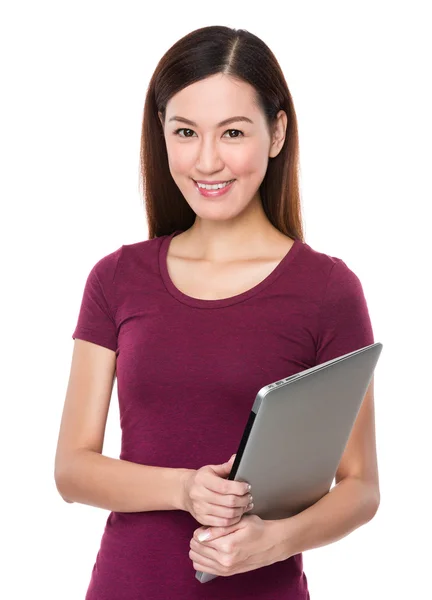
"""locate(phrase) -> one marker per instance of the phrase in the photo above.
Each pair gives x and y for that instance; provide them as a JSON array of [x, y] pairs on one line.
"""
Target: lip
[[211, 182], [214, 193]]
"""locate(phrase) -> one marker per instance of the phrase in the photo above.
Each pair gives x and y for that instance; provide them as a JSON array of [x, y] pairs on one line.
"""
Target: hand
[[250, 544], [213, 500]]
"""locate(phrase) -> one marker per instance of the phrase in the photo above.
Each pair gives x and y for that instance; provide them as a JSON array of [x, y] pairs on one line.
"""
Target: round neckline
[[219, 302]]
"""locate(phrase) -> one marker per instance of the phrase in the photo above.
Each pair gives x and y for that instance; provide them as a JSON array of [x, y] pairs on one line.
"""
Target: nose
[[209, 159]]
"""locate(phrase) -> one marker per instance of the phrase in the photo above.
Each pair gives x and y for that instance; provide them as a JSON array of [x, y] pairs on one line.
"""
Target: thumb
[[204, 535], [212, 533], [224, 467]]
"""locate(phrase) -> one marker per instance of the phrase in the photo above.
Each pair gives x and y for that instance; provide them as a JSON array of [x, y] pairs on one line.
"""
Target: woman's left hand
[[249, 544]]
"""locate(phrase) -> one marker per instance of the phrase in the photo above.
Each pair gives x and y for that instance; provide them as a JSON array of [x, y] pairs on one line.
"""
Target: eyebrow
[[221, 124]]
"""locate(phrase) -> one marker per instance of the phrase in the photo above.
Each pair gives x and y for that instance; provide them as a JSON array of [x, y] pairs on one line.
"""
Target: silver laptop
[[297, 432]]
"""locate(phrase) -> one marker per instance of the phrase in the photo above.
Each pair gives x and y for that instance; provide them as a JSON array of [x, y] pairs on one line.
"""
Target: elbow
[[374, 503], [369, 497], [376, 506], [60, 478], [372, 512]]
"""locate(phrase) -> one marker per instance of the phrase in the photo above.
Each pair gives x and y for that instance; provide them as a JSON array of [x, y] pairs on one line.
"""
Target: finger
[[232, 500], [225, 486], [226, 512], [200, 563], [211, 521], [208, 534], [204, 551], [229, 500]]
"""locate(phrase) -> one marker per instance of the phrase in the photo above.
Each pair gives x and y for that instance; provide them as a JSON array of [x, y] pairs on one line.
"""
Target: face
[[206, 150]]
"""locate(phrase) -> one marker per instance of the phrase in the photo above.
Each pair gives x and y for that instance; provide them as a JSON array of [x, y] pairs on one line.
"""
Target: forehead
[[211, 100]]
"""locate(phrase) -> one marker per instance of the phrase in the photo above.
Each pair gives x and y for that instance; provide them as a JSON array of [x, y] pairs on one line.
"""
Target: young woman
[[223, 297]]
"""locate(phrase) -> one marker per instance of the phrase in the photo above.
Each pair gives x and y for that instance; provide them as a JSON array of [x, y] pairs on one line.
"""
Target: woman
[[223, 298]]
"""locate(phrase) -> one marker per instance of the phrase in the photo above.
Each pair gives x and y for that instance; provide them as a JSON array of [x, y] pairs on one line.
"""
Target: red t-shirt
[[188, 371]]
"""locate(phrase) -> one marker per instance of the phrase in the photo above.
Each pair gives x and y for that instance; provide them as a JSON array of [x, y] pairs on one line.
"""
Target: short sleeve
[[96, 322], [344, 323]]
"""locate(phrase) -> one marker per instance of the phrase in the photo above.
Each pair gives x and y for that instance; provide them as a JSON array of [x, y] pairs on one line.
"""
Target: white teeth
[[217, 186]]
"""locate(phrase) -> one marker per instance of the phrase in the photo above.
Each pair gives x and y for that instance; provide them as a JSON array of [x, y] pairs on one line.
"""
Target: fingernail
[[204, 536]]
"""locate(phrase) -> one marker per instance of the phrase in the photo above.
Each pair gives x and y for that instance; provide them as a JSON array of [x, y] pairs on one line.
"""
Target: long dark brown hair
[[200, 54]]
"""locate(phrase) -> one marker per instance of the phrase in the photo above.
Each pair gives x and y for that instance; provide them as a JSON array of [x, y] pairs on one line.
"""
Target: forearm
[[349, 504], [119, 485]]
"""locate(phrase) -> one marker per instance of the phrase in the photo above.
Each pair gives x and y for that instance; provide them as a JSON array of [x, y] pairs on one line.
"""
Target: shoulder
[[141, 256], [319, 259], [111, 267], [105, 267], [325, 267], [329, 277], [143, 246]]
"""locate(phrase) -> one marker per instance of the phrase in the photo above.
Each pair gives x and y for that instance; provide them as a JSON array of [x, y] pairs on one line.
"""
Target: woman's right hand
[[214, 500]]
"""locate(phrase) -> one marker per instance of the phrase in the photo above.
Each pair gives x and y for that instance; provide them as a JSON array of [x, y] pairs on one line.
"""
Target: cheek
[[251, 161], [242, 161], [179, 162]]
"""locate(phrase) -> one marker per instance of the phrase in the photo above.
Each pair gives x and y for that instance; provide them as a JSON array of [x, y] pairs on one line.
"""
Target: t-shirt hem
[[94, 337]]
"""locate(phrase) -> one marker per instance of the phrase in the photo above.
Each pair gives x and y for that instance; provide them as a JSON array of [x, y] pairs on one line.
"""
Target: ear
[[279, 133]]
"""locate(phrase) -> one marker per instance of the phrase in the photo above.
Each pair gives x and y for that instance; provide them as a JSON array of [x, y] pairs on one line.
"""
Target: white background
[[74, 77]]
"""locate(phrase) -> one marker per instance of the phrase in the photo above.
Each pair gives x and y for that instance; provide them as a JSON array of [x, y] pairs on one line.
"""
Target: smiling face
[[202, 148]]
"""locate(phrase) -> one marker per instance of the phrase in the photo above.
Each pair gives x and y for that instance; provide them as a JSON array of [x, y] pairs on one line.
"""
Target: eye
[[238, 131], [176, 132]]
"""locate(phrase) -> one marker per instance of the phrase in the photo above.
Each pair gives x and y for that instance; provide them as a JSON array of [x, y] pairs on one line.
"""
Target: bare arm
[[119, 485], [349, 504], [82, 473], [352, 502]]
